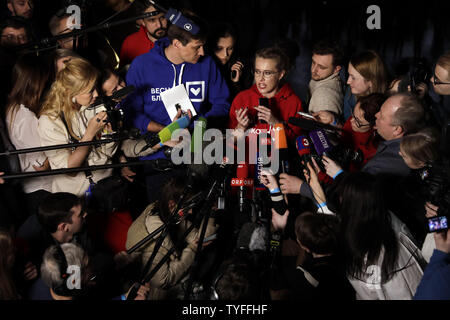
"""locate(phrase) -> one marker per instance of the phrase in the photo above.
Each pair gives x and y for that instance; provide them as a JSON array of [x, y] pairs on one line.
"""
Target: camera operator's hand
[[242, 119], [290, 184], [237, 66], [331, 167], [95, 125], [324, 116], [431, 210], [279, 221], [442, 240], [265, 114]]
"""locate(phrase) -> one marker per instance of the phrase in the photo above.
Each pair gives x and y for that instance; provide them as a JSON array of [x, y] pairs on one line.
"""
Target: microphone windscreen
[[280, 137], [242, 171], [320, 141], [197, 135], [303, 145], [166, 133]]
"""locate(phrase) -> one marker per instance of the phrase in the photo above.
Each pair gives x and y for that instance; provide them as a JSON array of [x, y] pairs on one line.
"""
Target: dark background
[[408, 29]]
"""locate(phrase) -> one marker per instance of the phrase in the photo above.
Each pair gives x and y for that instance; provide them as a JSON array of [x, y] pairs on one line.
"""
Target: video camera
[[417, 72], [436, 187], [112, 106]]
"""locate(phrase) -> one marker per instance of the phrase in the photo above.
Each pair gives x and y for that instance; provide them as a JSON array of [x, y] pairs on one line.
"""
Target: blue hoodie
[[152, 73]]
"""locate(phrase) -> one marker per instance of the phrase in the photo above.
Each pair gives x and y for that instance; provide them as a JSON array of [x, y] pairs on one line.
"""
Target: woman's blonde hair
[[372, 68], [79, 76]]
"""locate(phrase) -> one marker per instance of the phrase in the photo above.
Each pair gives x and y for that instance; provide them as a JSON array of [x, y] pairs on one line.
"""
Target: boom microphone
[[310, 125], [166, 134]]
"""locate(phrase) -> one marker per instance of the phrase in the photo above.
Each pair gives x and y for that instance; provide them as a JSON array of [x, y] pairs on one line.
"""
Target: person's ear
[[282, 73], [10, 7], [62, 227], [177, 43], [398, 131], [337, 69]]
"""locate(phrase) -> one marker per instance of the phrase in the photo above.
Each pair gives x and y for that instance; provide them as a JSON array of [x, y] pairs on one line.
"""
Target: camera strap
[[88, 173]]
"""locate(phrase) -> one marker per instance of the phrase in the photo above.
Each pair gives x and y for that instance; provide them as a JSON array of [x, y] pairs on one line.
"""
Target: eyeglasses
[[12, 37], [436, 81], [358, 122], [265, 73]]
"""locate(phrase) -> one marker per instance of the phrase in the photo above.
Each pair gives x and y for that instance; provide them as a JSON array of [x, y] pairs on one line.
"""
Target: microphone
[[303, 148], [310, 125], [264, 102], [242, 182], [282, 147], [166, 133], [320, 142], [197, 135]]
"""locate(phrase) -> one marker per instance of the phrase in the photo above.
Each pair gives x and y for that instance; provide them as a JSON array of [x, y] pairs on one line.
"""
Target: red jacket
[[134, 45], [365, 141], [284, 104]]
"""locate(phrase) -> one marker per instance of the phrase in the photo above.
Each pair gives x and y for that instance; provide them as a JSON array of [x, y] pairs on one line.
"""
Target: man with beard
[[325, 86], [20, 8], [152, 29]]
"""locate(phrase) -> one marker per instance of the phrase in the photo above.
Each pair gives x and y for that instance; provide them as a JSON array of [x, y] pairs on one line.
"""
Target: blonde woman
[[70, 95]]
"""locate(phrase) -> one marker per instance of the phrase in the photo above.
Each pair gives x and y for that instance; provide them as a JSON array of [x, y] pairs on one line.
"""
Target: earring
[[74, 100]]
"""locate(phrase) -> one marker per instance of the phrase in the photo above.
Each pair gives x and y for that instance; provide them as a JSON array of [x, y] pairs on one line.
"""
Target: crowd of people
[[120, 220]]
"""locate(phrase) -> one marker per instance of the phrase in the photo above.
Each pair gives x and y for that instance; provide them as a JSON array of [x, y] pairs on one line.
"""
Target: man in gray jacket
[[325, 87]]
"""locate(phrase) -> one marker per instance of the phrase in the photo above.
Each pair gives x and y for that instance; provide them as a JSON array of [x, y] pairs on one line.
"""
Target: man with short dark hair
[[20, 8], [152, 29], [14, 32], [60, 220], [178, 59], [325, 86]]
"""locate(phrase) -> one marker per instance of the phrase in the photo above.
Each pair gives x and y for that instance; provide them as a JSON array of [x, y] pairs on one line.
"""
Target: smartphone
[[438, 223], [211, 237], [306, 115], [263, 102]]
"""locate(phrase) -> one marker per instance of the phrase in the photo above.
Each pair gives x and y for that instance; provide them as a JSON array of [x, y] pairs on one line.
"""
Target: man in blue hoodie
[[179, 58]]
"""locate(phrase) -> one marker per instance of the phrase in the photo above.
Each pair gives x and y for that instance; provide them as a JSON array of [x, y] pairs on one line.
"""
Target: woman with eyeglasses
[[359, 132], [270, 67]]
